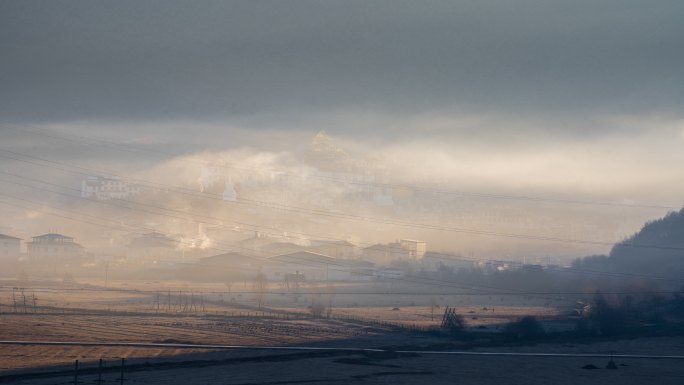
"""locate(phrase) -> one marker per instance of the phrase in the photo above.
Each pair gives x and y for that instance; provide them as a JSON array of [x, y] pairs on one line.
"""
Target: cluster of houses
[[316, 260], [42, 248], [59, 248], [54, 248], [279, 260], [324, 161], [290, 268]]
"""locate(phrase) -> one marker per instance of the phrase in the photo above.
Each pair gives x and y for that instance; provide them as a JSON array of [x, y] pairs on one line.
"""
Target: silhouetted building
[[415, 249], [154, 246], [325, 155], [336, 249], [317, 267], [225, 267], [384, 254], [10, 247], [54, 247], [404, 250], [532, 268], [107, 188]]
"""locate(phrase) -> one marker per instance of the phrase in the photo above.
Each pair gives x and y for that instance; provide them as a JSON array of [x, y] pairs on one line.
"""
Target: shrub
[[317, 309], [525, 328], [605, 319]]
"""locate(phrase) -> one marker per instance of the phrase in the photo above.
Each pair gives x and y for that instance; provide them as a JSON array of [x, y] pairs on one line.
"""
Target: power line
[[407, 278], [432, 255], [340, 349], [132, 149], [297, 261], [232, 247], [404, 293], [351, 216], [220, 220], [417, 280]]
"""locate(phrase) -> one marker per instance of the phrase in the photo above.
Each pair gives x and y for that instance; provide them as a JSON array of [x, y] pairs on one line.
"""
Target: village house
[[154, 247], [53, 247], [10, 247], [333, 248], [317, 267], [407, 250], [226, 267], [107, 188]]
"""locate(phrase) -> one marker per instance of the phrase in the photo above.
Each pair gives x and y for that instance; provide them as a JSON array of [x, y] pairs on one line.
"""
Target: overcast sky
[[152, 60], [496, 77], [574, 98]]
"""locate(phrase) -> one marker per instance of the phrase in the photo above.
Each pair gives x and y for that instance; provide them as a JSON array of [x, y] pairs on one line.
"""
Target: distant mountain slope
[[658, 248]]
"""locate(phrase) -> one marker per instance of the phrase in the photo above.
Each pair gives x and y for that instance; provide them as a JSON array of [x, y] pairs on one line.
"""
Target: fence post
[[76, 372], [123, 362], [99, 372]]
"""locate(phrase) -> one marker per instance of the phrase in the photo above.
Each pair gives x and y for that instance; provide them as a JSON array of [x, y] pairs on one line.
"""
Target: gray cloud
[[131, 60]]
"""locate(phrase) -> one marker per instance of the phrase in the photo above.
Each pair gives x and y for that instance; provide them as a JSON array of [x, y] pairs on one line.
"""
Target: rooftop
[[52, 237], [154, 239], [310, 259], [228, 258], [303, 257], [319, 242]]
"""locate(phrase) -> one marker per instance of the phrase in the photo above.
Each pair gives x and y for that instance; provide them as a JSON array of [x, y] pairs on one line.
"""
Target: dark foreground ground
[[332, 367]]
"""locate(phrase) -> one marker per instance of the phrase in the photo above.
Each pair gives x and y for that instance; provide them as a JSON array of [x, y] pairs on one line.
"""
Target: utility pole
[[23, 295], [156, 301], [106, 273], [179, 302]]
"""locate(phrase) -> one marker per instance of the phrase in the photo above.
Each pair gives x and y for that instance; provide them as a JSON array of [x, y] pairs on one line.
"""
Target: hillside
[[658, 248]]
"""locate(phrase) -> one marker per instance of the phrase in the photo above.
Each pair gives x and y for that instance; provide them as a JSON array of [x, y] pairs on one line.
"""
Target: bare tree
[[330, 293], [261, 287], [433, 305], [317, 307]]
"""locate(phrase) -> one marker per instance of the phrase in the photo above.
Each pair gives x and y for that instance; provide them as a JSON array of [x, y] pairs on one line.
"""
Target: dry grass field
[[154, 329], [206, 314]]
